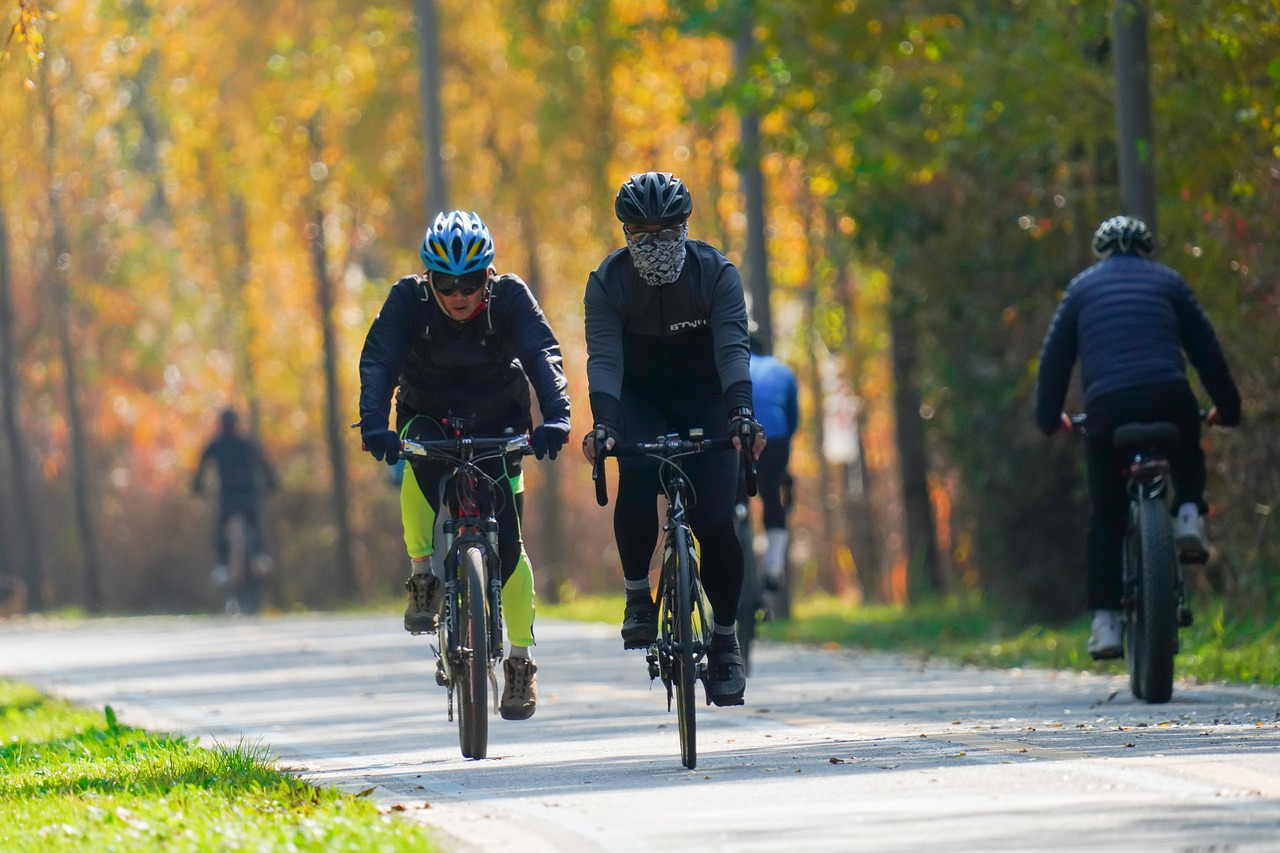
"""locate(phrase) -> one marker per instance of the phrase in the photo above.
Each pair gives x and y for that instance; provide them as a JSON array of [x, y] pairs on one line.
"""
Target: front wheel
[[472, 667], [684, 667], [1152, 627]]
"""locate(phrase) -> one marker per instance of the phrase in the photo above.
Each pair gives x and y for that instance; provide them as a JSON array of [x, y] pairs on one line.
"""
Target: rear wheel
[[1156, 609], [471, 671], [239, 576], [684, 670]]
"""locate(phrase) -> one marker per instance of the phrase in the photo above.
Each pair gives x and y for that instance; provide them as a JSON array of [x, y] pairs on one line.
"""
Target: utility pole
[[1135, 140]]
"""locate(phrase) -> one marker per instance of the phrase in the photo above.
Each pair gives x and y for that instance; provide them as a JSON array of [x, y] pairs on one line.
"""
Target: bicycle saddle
[[1162, 435]]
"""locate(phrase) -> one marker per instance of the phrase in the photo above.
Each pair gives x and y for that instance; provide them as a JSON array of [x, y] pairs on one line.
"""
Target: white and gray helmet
[[1124, 234]]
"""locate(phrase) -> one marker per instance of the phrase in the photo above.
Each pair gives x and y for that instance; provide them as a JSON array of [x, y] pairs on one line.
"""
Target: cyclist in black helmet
[[461, 340], [666, 324], [1130, 320]]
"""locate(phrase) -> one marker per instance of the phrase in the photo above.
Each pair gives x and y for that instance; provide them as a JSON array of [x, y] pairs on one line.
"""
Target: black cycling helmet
[[653, 198], [1124, 234]]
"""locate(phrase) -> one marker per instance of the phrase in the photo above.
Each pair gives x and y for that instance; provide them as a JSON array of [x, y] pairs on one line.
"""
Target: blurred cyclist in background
[[243, 474], [1130, 320], [776, 398]]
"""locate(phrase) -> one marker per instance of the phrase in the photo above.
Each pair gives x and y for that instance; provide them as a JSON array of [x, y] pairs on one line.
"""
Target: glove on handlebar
[[602, 432], [744, 425], [383, 444], [548, 439]]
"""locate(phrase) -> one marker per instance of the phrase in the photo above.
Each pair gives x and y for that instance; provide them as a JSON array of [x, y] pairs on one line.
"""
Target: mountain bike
[[470, 649], [685, 623], [1154, 604]]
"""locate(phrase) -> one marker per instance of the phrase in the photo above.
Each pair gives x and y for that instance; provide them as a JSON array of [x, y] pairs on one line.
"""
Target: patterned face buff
[[659, 257]]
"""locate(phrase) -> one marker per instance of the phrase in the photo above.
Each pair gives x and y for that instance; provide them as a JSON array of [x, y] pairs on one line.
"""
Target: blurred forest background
[[204, 203]]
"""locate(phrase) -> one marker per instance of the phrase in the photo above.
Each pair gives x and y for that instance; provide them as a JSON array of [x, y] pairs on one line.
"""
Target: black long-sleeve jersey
[[683, 340], [481, 367]]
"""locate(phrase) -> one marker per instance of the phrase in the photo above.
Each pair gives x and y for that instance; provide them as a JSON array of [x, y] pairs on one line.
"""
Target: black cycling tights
[[713, 478]]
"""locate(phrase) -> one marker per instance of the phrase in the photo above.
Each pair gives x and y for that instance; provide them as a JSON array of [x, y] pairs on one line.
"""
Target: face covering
[[658, 263]]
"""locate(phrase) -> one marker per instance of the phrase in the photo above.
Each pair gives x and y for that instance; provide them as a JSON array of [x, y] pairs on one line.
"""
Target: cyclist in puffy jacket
[[666, 330], [1130, 320], [777, 406], [462, 341]]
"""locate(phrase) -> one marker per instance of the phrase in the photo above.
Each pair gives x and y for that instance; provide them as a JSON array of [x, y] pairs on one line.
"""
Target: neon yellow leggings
[[517, 590]]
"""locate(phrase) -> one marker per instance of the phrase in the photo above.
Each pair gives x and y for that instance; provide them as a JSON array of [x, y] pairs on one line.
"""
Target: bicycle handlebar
[[667, 447], [447, 447]]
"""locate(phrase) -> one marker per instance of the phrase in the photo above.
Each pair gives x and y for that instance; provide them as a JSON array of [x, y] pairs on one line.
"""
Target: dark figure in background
[[776, 397], [666, 328], [243, 473], [1129, 320]]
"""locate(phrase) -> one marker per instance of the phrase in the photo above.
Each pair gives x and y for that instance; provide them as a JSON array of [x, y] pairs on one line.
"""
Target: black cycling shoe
[[727, 674], [639, 622]]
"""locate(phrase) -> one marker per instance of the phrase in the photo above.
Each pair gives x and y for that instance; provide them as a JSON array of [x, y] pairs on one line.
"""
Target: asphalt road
[[835, 750]]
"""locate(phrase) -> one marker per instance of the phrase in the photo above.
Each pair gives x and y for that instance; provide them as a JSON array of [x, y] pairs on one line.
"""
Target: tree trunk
[[756, 259], [334, 431], [432, 114], [924, 576], [28, 528], [553, 556], [59, 286]]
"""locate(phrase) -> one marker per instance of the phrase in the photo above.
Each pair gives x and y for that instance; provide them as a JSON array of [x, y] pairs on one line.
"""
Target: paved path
[[835, 750]]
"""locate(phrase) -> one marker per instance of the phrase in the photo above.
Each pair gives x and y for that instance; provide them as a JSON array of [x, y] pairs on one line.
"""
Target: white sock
[[775, 555], [519, 653]]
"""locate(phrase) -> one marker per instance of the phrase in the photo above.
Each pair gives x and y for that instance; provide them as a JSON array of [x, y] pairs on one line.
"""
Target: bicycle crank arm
[[493, 682]]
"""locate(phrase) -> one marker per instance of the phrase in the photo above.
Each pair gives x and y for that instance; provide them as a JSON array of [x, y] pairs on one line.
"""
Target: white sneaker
[[1104, 637], [1189, 535]]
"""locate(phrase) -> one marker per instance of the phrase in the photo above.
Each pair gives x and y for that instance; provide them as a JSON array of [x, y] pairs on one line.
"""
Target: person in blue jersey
[[461, 340], [1129, 321], [666, 332], [776, 398]]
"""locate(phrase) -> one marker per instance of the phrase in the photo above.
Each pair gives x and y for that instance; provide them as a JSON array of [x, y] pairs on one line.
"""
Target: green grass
[[967, 631], [72, 779]]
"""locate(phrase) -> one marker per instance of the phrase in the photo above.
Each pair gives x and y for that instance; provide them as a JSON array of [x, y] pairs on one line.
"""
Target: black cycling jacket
[[479, 367], [1129, 320], [683, 340]]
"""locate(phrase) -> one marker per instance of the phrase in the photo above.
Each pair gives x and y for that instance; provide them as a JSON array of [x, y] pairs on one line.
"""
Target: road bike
[[1154, 603], [685, 623], [470, 646]]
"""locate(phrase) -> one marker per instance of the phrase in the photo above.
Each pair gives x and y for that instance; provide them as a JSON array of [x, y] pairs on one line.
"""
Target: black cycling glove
[[548, 439], [383, 444]]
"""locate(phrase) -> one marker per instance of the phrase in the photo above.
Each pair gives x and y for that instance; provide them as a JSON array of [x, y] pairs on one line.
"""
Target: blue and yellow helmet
[[457, 243]]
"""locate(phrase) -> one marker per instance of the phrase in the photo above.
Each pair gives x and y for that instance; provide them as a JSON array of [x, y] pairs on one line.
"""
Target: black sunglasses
[[665, 235], [448, 285]]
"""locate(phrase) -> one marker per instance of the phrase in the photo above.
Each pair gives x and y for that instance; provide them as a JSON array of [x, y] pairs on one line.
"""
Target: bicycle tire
[[750, 601], [684, 671], [472, 672], [236, 531], [1156, 608]]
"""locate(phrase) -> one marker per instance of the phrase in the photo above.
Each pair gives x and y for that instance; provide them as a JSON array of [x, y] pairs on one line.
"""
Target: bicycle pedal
[[1185, 618], [1194, 558]]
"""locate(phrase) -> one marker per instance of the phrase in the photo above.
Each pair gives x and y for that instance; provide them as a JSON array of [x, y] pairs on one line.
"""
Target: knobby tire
[[683, 667], [472, 673], [1156, 610]]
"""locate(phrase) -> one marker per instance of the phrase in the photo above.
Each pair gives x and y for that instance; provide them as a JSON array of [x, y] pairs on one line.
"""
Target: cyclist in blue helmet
[[1133, 323], [462, 341]]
